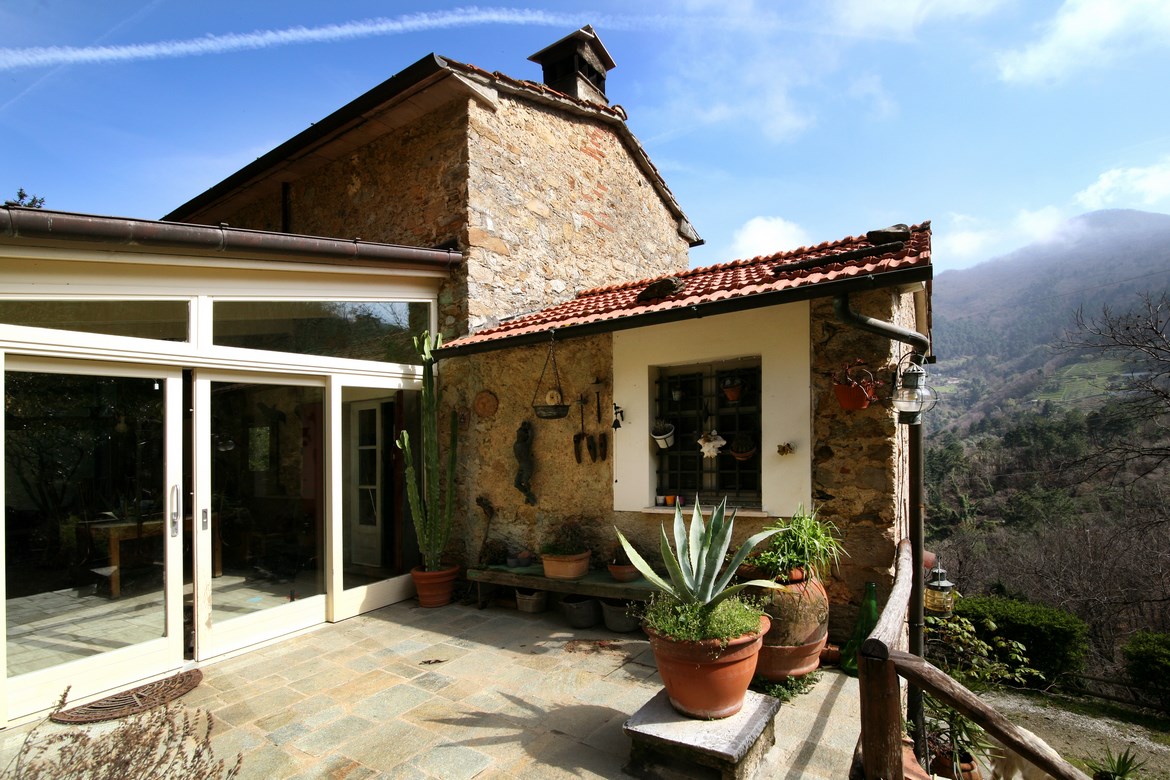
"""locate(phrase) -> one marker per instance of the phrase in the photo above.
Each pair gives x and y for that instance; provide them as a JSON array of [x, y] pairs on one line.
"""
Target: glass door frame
[[345, 603], [113, 669], [213, 640]]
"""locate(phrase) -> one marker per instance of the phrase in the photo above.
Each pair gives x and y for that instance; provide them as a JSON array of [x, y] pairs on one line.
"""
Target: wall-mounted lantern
[[912, 395]]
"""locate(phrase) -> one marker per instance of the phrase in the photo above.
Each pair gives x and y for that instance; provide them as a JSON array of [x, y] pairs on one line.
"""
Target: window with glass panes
[[698, 399]]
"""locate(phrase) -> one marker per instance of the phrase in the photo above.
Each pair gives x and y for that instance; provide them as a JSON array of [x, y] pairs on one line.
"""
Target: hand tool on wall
[[578, 438]]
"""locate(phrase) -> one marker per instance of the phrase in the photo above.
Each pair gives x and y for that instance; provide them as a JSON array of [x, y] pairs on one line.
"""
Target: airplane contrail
[[50, 56]]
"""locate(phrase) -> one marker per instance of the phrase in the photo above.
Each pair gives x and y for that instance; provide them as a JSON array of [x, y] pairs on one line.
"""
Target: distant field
[[1080, 382]]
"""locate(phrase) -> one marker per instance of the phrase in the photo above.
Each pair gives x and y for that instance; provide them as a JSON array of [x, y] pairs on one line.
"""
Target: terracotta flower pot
[[566, 567], [624, 572], [856, 396], [800, 628], [703, 679], [434, 588], [943, 765]]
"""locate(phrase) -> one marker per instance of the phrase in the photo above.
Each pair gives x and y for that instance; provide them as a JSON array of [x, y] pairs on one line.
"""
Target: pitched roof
[[896, 255], [425, 85]]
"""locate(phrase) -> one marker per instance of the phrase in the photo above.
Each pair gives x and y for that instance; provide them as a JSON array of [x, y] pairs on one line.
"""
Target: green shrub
[[1147, 662], [1056, 640]]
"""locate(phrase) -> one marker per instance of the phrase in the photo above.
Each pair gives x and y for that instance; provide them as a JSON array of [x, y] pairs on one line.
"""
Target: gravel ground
[[1074, 735]]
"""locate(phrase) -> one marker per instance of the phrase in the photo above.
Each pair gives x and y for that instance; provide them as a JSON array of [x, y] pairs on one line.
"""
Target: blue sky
[[776, 124]]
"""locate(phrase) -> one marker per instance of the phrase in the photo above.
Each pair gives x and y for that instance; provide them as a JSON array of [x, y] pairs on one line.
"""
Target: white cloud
[[767, 236], [961, 240], [900, 19], [869, 89], [1088, 34], [1149, 186], [1043, 224]]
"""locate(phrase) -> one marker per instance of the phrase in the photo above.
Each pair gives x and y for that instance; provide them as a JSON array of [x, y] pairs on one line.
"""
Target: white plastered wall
[[779, 336]]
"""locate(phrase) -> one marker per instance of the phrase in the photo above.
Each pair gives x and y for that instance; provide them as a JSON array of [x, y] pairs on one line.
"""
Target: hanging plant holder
[[552, 395]]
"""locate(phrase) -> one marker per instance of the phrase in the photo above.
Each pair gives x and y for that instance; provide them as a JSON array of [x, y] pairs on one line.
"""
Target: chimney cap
[[586, 35]]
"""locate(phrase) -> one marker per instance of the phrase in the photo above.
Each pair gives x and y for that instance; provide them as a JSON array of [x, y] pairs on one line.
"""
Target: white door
[[365, 475], [93, 586]]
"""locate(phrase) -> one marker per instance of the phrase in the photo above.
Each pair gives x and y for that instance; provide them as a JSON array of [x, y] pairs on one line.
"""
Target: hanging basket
[[856, 392], [553, 407]]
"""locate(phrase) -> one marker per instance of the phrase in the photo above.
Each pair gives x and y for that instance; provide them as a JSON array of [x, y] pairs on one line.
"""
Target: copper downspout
[[916, 617]]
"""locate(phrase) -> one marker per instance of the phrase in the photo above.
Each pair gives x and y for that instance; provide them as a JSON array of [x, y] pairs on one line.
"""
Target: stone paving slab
[[456, 692]]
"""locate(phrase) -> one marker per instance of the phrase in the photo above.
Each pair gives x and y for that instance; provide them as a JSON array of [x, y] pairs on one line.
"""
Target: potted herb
[[855, 386], [802, 548], [431, 502], [566, 554], [662, 432], [705, 638]]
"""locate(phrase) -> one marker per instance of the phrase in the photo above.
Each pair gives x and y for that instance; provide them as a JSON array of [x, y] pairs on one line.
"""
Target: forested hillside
[[998, 325], [1047, 457]]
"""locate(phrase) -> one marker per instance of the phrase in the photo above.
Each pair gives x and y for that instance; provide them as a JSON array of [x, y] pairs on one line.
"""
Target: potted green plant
[[1123, 766], [802, 548], [953, 645], [566, 553], [431, 502], [662, 432], [705, 638]]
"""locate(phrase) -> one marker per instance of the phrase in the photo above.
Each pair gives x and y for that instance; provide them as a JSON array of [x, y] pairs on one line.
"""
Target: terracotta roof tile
[[850, 257]]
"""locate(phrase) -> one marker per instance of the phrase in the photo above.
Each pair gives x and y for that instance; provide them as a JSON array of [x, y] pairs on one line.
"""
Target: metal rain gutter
[[39, 225]]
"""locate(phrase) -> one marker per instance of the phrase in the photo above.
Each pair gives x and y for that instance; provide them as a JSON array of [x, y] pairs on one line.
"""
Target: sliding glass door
[[93, 526]]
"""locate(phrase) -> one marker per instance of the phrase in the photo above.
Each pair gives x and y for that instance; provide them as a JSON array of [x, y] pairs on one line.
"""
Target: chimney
[[576, 65]]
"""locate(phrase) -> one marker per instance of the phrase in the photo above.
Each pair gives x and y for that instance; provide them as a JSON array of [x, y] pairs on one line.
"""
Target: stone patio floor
[[458, 692]]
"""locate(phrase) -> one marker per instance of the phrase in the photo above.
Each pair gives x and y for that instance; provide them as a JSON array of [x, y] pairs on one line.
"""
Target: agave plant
[[697, 575]]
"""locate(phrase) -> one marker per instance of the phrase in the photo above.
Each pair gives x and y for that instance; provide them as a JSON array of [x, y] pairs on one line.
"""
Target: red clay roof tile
[[804, 267]]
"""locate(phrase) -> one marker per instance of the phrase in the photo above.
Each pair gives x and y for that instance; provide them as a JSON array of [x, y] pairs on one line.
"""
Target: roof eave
[[895, 278]]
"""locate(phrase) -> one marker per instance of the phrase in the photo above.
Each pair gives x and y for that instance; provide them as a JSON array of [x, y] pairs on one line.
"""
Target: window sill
[[669, 510]]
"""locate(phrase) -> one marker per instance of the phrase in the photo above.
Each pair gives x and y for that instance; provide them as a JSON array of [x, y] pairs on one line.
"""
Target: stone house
[[548, 195], [225, 386]]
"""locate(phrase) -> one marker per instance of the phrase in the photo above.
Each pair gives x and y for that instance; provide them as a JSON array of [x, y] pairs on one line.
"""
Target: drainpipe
[[916, 476]]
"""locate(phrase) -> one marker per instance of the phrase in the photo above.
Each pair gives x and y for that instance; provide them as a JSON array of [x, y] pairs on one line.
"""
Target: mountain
[[997, 325]]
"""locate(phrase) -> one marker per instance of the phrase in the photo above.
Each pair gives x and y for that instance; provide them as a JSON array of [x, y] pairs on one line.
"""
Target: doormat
[[132, 701]]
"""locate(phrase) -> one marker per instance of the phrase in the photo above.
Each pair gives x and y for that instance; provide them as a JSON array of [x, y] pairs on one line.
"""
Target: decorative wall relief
[[525, 461]]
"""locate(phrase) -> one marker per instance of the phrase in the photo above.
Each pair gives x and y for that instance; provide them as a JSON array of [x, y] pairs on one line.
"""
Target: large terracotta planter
[[703, 679], [566, 567], [800, 627], [967, 769], [434, 588]]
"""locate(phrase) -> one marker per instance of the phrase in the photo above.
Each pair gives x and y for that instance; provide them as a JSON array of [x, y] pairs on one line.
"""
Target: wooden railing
[[880, 663]]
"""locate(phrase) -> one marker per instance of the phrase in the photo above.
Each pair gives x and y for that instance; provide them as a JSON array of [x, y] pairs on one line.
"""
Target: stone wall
[[408, 187], [859, 459], [557, 205]]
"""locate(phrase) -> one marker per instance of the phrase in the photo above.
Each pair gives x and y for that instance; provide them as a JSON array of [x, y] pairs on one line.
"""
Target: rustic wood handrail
[[880, 663]]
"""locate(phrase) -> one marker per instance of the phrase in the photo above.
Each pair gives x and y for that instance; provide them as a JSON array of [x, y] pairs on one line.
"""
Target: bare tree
[[1134, 440]]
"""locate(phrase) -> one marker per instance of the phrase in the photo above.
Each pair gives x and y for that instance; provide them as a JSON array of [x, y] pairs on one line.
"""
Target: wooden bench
[[596, 583]]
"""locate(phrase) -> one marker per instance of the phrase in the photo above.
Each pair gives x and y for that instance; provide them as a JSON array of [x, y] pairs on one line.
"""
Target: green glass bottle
[[867, 618]]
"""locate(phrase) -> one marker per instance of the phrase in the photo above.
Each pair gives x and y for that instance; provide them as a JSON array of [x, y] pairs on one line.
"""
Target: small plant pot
[[670, 500], [581, 611], [741, 456], [615, 613], [676, 395], [531, 600], [853, 397], [624, 572], [665, 440]]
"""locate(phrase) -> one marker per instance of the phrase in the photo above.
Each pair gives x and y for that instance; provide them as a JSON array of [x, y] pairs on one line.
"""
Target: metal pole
[[916, 618]]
